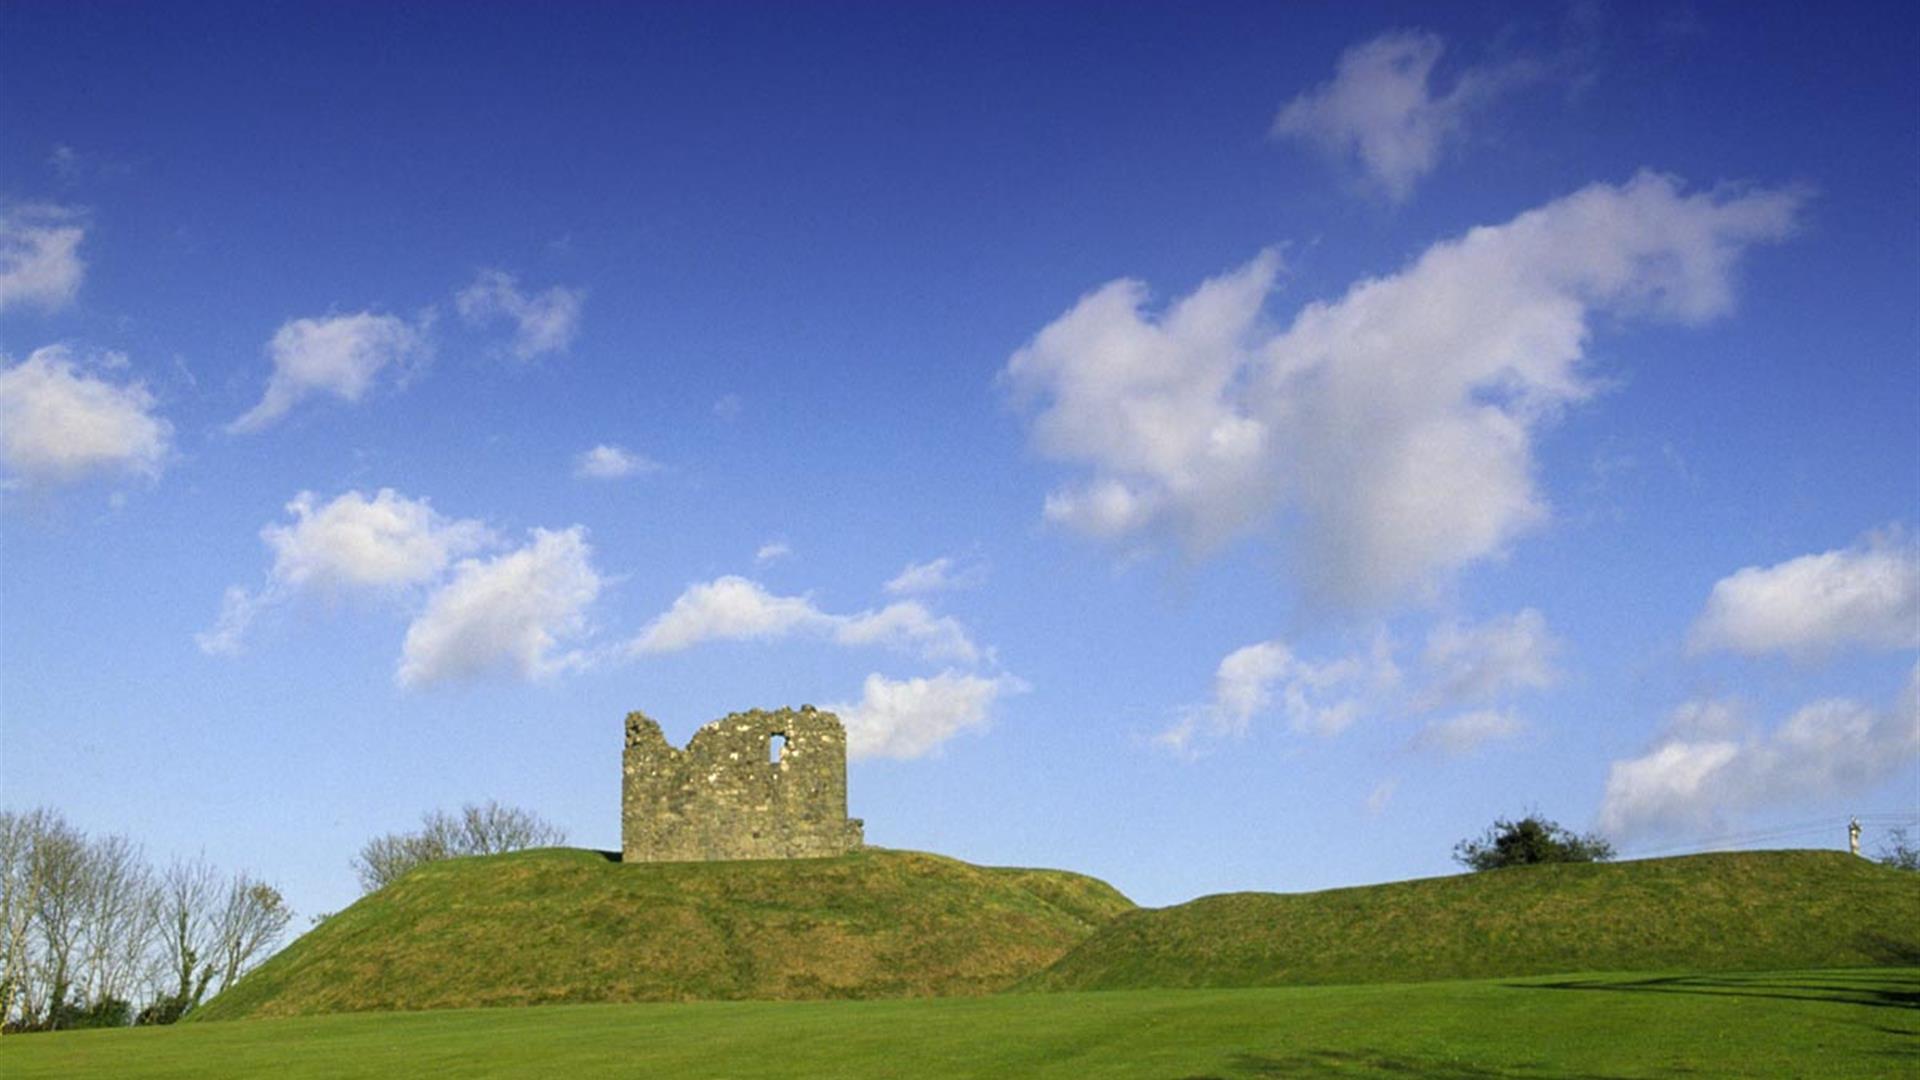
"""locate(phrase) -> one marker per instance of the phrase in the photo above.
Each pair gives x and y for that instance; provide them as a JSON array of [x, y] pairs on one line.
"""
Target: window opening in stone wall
[[776, 747]]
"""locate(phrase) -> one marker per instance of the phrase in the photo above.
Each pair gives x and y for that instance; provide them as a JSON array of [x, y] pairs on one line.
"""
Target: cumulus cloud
[[1454, 736], [356, 542], [1395, 423], [351, 542], [1469, 663], [340, 355], [936, 575], [1706, 768], [543, 323], [40, 264], [909, 718], [59, 423], [606, 462], [1867, 596], [1316, 698], [509, 614], [734, 608]]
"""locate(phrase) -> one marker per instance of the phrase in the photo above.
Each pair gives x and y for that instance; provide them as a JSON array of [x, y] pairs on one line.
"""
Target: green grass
[[1734, 911], [1840, 1023], [563, 925]]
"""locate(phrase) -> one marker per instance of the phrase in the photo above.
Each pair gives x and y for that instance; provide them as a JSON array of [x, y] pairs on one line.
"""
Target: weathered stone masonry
[[731, 794]]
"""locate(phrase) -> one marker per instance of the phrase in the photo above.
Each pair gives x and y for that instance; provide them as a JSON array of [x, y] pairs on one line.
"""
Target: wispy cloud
[[734, 608], [545, 322], [1382, 113], [40, 264], [339, 356], [943, 574], [608, 462]]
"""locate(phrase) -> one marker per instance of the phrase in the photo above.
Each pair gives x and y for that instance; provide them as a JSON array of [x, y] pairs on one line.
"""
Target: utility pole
[[1853, 836]]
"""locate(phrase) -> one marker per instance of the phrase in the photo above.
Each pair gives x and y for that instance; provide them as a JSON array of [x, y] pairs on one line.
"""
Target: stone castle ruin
[[753, 785]]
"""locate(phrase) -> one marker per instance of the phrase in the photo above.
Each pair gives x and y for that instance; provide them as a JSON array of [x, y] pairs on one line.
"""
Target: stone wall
[[731, 795]]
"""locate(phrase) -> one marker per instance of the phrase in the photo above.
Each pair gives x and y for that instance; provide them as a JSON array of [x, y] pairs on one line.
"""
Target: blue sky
[[1217, 448]]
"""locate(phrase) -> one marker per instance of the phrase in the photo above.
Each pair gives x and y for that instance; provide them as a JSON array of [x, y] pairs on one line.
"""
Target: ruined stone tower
[[754, 785]]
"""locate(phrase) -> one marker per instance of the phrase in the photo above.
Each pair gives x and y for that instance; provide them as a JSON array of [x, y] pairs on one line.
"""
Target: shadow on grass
[[1376, 1063], [1874, 989]]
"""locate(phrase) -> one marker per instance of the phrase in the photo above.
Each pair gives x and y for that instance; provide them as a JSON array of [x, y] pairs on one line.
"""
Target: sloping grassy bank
[[564, 925], [1731, 911]]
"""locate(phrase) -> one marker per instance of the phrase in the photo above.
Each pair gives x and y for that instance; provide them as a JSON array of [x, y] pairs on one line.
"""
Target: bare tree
[[59, 862], [247, 924], [492, 828], [1900, 851], [86, 927], [186, 931], [479, 829], [19, 900], [118, 912]]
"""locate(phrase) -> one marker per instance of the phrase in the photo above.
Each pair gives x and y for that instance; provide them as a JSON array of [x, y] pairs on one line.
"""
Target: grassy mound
[[1722, 912], [564, 925]]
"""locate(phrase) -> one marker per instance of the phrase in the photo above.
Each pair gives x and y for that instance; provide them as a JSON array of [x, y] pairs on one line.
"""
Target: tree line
[[93, 935]]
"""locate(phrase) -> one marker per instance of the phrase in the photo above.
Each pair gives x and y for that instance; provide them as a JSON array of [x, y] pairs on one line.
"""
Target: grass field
[[1749, 910], [1836, 1023]]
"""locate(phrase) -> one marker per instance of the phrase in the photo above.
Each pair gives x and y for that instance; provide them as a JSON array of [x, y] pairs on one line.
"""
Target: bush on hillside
[[1532, 839], [477, 830]]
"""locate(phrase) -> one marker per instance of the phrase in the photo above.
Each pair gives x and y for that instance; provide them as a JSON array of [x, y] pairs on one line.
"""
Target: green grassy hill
[[564, 925], [1733, 911]]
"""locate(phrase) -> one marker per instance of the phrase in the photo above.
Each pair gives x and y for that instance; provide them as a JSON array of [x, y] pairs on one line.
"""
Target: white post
[[1853, 836]]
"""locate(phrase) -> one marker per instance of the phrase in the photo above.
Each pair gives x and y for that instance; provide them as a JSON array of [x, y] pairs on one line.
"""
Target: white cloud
[[357, 542], [237, 610], [544, 323], [909, 626], [729, 608], [1462, 734], [1469, 663], [1321, 699], [352, 542], [1867, 595], [40, 264], [772, 551], [909, 718], [508, 614], [936, 575], [1154, 407], [339, 355], [1396, 423], [734, 608], [59, 423], [1381, 111], [606, 462], [1704, 770]]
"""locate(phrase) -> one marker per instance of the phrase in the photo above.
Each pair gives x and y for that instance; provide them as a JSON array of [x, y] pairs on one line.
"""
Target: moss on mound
[[564, 925], [1732, 911]]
